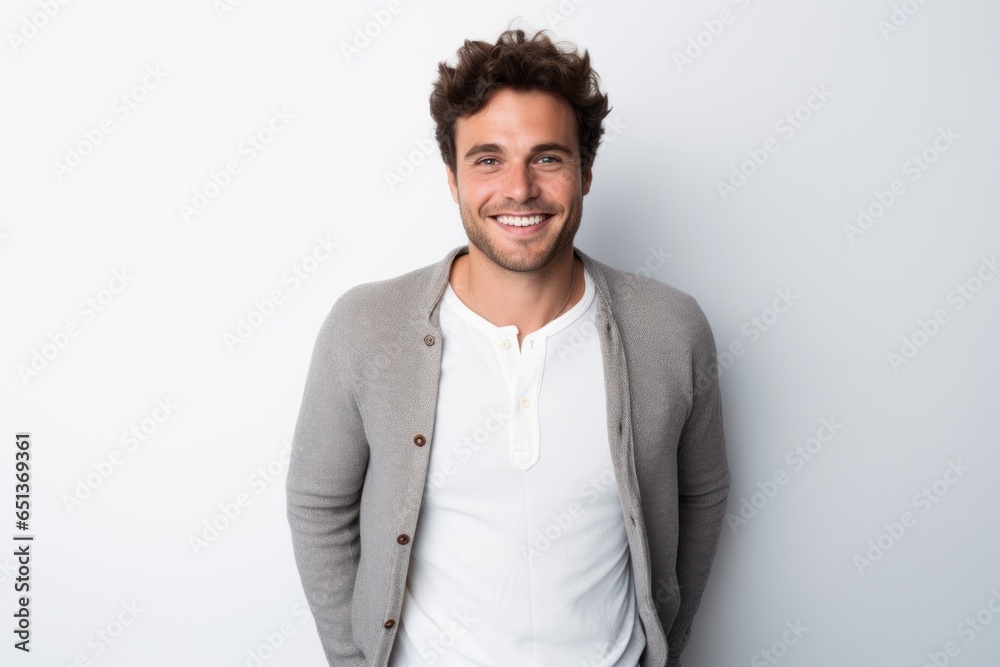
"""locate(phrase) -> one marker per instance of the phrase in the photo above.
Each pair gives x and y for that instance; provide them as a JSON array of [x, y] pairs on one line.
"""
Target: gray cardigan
[[362, 440]]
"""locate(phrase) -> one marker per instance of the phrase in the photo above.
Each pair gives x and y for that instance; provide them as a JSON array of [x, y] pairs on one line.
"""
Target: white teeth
[[520, 220]]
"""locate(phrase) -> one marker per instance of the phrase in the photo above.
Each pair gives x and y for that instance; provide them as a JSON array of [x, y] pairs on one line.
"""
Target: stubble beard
[[476, 229]]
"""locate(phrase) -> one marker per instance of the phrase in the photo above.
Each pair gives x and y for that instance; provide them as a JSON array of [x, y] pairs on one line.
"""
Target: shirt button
[[389, 624], [403, 539], [419, 440], [525, 401], [505, 343], [428, 340]]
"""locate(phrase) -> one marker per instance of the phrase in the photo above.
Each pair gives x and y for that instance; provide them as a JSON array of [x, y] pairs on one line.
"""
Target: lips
[[521, 220]]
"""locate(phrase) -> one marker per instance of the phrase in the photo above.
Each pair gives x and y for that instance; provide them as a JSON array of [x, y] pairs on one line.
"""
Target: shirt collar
[[442, 270]]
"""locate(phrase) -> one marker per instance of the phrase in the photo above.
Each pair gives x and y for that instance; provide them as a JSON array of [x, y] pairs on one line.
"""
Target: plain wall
[[814, 114]]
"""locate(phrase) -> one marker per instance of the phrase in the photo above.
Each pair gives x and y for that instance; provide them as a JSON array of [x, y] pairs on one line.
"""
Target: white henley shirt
[[520, 555]]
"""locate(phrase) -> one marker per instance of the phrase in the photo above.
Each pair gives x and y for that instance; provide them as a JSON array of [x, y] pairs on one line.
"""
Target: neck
[[526, 299]]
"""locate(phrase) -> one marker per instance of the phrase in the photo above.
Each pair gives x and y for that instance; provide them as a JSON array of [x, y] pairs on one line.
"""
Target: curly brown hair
[[523, 64]]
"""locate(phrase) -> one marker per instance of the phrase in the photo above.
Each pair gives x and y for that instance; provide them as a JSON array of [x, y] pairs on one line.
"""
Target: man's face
[[518, 181]]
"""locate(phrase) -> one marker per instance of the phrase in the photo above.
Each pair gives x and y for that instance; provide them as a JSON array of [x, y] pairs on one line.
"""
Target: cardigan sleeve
[[703, 485], [323, 489]]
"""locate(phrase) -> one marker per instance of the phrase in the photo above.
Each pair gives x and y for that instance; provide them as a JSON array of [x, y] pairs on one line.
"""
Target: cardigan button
[[428, 340], [403, 539], [419, 440], [388, 624]]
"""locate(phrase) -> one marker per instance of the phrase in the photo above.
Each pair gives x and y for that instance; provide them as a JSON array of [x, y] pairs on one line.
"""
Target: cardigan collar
[[441, 271]]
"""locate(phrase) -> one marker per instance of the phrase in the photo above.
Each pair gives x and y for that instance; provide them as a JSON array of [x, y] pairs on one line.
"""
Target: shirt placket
[[524, 386]]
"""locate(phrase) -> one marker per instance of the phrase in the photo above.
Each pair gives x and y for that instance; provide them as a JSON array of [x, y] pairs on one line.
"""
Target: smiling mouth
[[521, 220]]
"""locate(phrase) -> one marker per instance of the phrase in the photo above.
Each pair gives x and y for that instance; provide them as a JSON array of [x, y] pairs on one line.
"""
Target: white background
[[677, 130]]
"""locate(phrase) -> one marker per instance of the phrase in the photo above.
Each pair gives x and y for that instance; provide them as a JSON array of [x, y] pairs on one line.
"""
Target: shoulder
[[647, 307], [406, 290], [382, 307]]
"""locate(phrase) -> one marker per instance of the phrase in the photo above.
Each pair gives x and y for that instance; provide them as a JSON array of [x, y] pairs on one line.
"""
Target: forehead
[[513, 117]]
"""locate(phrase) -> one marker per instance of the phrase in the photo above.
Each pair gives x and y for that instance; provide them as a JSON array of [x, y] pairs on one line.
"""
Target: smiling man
[[532, 469]]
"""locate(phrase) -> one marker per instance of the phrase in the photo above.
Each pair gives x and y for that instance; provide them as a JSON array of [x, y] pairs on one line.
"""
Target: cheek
[[477, 191], [564, 188]]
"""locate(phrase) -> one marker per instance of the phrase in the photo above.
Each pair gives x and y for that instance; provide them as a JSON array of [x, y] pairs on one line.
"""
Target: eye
[[552, 159], [485, 160]]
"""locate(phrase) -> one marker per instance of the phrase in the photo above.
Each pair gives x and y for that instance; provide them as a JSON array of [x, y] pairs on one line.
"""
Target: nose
[[520, 183]]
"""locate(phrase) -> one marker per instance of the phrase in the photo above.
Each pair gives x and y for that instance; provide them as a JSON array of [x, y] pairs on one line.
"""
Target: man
[[513, 456]]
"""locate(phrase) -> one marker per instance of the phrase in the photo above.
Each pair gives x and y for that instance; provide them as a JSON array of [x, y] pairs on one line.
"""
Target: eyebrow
[[495, 148]]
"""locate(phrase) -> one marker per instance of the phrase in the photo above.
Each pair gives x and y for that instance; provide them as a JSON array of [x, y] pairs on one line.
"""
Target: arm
[[325, 476], [703, 482]]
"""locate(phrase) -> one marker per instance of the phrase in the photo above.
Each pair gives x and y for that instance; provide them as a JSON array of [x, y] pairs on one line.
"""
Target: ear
[[588, 175], [452, 183]]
